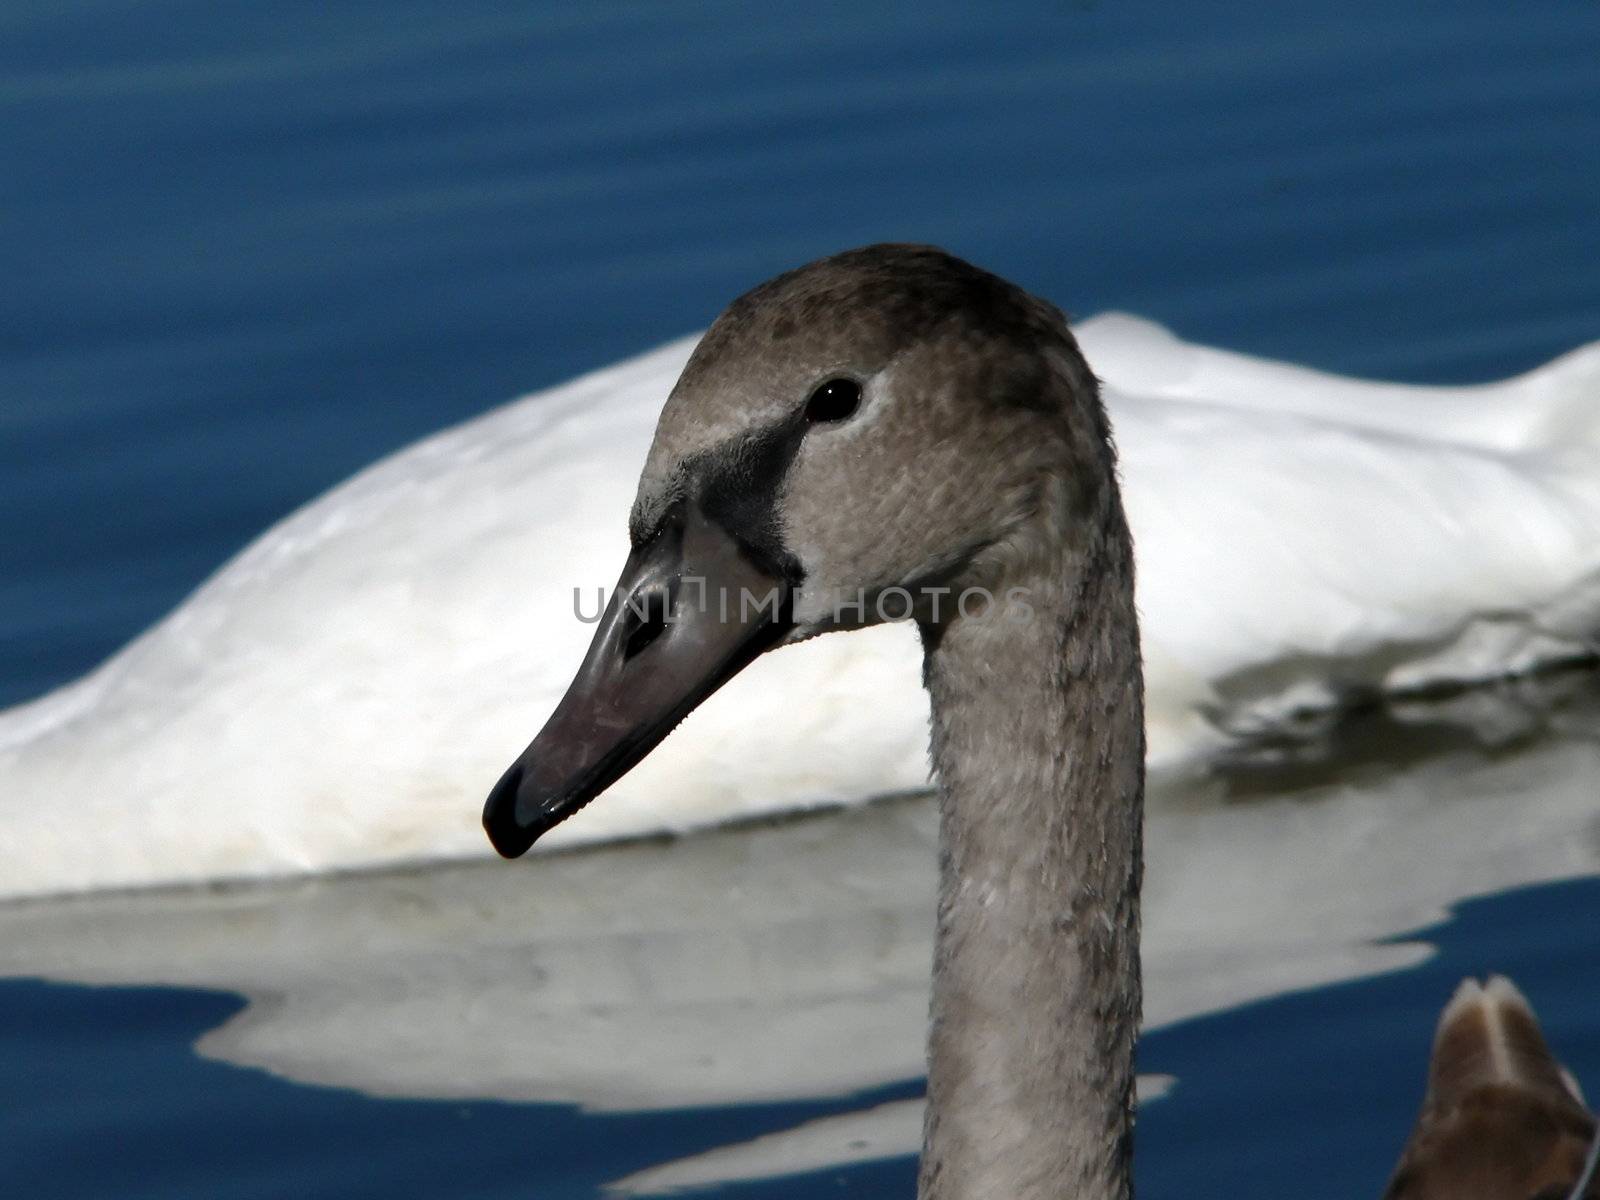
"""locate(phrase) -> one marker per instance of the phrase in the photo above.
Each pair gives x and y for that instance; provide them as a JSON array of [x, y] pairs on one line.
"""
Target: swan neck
[[1038, 745]]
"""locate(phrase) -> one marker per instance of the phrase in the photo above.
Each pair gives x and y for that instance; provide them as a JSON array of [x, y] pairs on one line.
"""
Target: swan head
[[870, 437]]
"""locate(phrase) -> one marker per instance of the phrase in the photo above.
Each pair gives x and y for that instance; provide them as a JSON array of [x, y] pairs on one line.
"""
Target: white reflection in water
[[791, 960]]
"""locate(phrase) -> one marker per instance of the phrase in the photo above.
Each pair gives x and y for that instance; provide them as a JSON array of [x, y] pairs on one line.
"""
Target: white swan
[[339, 693]]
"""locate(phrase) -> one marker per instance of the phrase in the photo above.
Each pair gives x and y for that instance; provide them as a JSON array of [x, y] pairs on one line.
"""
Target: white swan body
[[339, 694]]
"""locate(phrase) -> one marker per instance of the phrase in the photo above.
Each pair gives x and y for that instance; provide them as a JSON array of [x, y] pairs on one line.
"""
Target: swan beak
[[692, 608]]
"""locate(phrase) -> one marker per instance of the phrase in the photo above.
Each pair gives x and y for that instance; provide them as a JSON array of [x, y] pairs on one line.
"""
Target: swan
[[1380, 538], [1502, 1119], [892, 422]]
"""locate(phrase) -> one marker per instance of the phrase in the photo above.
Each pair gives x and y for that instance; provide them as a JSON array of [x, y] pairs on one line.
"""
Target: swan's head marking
[[883, 419], [889, 420]]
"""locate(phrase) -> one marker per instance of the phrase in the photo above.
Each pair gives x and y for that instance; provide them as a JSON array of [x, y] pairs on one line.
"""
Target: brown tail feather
[[1501, 1120], [1488, 1034]]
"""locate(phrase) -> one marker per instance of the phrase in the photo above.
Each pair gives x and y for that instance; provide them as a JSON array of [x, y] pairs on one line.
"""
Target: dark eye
[[833, 401]]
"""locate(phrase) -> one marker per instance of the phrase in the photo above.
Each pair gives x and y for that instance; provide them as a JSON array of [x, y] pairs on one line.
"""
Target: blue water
[[117, 1105], [1306, 1095], [246, 249]]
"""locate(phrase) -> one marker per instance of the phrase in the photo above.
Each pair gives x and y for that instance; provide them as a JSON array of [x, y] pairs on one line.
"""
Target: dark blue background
[[247, 248], [1309, 1095]]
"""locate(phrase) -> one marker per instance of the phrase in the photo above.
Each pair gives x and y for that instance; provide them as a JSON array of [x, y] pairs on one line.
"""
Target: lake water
[[749, 1004], [250, 249]]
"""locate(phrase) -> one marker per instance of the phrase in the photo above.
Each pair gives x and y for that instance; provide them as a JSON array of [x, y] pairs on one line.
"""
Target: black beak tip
[[506, 834]]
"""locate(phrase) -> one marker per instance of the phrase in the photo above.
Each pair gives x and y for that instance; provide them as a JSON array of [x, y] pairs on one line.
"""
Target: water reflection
[[791, 960]]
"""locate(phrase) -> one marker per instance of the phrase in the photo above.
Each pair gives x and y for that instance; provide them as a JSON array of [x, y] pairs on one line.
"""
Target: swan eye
[[835, 400]]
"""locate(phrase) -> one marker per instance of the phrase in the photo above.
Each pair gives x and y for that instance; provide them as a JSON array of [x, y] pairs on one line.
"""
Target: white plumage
[[341, 693]]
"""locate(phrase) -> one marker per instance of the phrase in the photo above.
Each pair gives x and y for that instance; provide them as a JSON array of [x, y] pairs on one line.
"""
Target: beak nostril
[[647, 617]]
